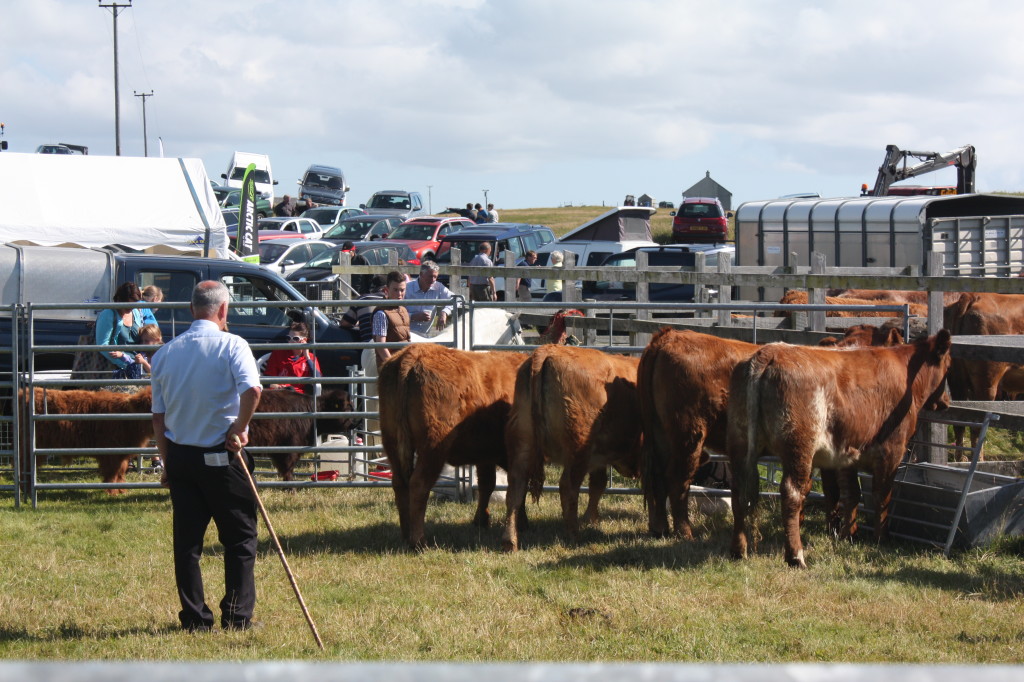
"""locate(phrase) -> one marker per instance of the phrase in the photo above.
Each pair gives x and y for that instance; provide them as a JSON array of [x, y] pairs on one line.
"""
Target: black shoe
[[242, 625], [197, 627]]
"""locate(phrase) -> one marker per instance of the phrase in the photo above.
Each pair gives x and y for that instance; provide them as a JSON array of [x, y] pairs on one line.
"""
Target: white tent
[[155, 204]]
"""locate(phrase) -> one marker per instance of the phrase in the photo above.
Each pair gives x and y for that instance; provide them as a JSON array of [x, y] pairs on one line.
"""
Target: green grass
[[89, 576], [566, 218]]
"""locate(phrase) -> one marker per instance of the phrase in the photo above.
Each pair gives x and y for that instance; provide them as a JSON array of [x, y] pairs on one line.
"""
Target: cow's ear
[[943, 342], [895, 337], [828, 342]]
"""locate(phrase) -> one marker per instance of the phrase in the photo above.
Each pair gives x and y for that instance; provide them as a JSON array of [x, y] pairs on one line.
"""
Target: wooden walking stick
[[277, 543]]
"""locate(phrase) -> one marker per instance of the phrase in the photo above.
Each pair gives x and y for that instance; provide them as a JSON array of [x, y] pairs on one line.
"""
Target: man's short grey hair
[[429, 265], [209, 295]]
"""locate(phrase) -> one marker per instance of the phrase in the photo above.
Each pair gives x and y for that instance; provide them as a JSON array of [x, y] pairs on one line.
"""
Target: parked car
[[52, 149], [395, 202], [329, 216], [699, 219], [324, 185], [363, 227], [517, 237], [231, 197], [424, 234], [302, 227], [289, 254], [321, 267], [657, 256]]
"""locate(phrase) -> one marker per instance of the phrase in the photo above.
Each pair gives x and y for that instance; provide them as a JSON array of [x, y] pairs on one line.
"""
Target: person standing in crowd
[[298, 363], [360, 317], [523, 294], [286, 207], [120, 327], [391, 323], [481, 287], [206, 387], [469, 211], [481, 215], [427, 286], [153, 294], [553, 285], [493, 213]]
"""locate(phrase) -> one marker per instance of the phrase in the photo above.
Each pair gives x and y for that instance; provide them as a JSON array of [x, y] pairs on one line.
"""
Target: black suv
[[517, 237]]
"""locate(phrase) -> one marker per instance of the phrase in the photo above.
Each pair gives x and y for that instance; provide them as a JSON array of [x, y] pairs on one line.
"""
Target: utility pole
[[145, 138], [485, 197], [115, 9], [430, 200]]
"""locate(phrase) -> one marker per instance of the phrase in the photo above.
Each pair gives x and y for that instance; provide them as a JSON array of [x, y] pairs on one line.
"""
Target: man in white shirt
[[205, 389], [426, 286]]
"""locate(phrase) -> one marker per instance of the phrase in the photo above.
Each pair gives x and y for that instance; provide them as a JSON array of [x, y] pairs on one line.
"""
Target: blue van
[[323, 185]]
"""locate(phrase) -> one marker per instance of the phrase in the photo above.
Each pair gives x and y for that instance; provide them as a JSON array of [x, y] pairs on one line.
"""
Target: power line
[[115, 9]]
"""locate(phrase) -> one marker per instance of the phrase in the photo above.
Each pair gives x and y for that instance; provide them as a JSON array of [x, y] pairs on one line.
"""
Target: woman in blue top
[[120, 327]]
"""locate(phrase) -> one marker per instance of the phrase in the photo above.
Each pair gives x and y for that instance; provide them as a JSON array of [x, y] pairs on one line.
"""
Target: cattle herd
[[849, 405]]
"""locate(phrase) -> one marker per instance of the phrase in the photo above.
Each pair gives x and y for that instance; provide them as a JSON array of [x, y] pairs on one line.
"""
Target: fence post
[[725, 290], [817, 295], [569, 294], [643, 295], [590, 333], [700, 292], [510, 280], [343, 285], [455, 282], [936, 433]]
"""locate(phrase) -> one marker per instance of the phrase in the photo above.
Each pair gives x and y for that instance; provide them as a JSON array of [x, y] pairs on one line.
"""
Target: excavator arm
[[894, 168]]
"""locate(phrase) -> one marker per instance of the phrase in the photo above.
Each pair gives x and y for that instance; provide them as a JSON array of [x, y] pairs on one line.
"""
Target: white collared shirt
[[436, 291], [198, 377]]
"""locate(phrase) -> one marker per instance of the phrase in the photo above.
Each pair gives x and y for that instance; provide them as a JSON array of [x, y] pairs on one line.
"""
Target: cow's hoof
[[509, 546], [797, 561], [482, 520]]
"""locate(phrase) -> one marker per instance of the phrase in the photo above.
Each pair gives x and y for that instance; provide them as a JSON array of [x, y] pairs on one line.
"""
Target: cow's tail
[[746, 481], [652, 468], [395, 388], [540, 376]]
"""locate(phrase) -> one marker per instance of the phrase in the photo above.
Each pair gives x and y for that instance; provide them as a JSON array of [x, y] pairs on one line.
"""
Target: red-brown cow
[[984, 314], [893, 295], [297, 432], [576, 407], [683, 385], [834, 410], [798, 296], [123, 433], [865, 335], [443, 406]]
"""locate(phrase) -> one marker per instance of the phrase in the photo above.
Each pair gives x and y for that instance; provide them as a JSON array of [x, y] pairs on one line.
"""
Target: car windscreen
[[260, 176], [390, 201], [413, 232], [353, 230], [468, 247], [700, 211], [324, 216], [270, 252], [325, 260]]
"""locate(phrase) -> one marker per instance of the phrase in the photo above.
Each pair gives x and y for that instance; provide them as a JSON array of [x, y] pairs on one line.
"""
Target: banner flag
[[247, 244]]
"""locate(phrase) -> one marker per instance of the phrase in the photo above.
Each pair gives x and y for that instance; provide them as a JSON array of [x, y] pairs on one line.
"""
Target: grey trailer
[[978, 235]]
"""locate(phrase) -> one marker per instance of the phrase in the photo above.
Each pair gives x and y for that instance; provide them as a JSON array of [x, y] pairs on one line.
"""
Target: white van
[[264, 176]]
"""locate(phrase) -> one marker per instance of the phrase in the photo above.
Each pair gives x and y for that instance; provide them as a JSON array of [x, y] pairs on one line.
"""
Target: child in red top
[[298, 363]]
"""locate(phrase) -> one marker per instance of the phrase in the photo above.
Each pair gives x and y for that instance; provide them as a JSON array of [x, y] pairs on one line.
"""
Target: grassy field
[[89, 576], [566, 218]]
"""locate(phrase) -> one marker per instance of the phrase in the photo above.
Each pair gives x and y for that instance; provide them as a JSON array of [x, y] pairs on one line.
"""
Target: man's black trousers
[[200, 492]]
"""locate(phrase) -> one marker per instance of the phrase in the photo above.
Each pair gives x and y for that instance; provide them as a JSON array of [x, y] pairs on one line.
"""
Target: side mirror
[[275, 182], [224, 175], [363, 206], [348, 189], [672, 213]]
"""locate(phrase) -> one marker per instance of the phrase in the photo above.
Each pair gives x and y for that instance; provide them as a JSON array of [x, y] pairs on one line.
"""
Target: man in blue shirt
[[427, 286], [205, 389]]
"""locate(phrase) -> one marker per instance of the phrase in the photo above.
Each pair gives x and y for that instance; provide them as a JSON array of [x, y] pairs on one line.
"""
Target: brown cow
[[984, 314], [297, 432], [124, 433], [439, 405], [683, 385], [831, 409], [576, 407], [893, 295], [865, 335], [798, 296]]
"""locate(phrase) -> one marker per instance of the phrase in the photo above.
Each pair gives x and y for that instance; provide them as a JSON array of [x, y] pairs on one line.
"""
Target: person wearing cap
[[300, 362]]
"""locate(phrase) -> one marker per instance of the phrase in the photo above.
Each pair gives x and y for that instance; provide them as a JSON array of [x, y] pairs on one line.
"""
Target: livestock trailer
[[976, 234]]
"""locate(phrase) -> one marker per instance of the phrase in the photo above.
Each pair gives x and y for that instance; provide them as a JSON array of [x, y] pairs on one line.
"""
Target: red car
[[699, 219], [423, 235]]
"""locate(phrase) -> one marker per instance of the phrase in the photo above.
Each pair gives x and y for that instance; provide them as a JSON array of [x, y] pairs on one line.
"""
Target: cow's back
[[683, 382]]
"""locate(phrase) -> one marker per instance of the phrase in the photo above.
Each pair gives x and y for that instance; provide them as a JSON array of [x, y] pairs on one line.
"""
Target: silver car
[[289, 254]]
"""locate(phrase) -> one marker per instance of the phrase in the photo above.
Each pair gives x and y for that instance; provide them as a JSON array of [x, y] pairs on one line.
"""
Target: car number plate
[[698, 228]]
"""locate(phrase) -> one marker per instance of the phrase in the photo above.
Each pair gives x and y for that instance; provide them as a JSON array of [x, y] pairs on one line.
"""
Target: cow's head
[[336, 400], [938, 361]]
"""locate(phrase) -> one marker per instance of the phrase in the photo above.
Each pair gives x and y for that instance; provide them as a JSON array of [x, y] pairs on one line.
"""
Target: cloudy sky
[[542, 102]]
